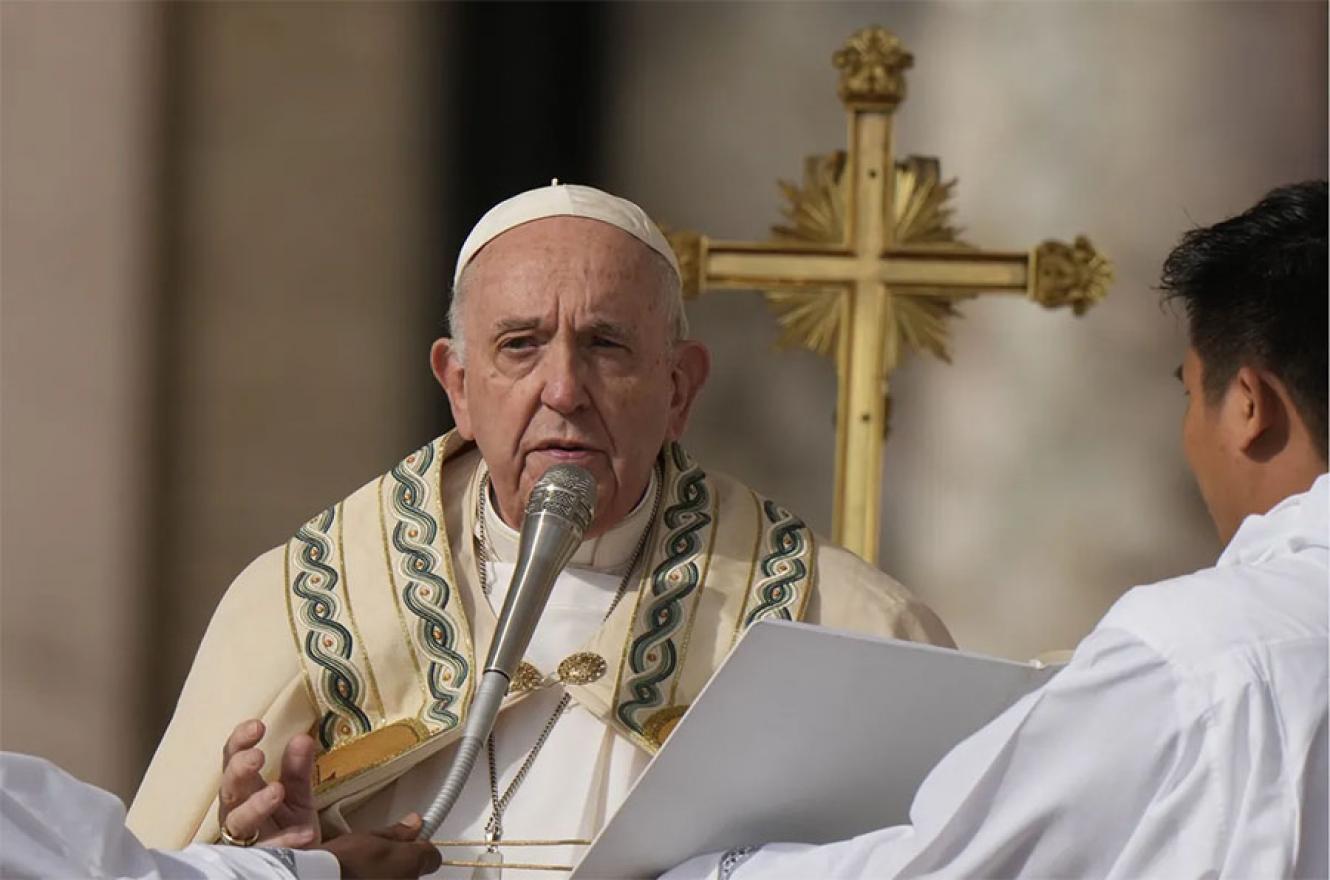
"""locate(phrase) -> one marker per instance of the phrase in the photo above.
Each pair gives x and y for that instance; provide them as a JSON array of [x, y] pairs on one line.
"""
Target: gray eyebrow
[[608, 328], [601, 327], [508, 325]]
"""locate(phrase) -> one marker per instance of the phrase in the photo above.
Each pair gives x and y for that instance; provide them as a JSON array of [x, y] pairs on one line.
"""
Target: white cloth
[[1187, 738], [564, 200], [54, 826], [584, 770]]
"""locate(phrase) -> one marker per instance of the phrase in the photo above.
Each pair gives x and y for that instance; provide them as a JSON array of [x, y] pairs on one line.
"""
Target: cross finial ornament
[[868, 264], [872, 67]]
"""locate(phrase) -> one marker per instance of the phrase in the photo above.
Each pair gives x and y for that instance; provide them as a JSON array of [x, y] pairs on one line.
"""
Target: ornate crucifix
[[870, 264]]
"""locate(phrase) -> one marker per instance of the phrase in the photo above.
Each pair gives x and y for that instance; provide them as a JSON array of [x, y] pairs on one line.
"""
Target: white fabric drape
[[1187, 738], [54, 826]]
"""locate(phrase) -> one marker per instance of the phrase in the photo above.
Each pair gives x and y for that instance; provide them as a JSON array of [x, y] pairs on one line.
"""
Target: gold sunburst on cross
[[868, 264]]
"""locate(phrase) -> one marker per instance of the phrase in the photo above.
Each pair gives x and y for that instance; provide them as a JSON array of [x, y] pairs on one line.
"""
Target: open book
[[804, 734]]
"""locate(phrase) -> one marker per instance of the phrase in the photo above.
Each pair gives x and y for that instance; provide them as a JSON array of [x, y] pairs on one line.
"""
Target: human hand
[[388, 853], [281, 811]]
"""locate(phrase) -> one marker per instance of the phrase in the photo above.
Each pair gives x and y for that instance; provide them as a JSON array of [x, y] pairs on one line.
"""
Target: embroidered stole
[[391, 640]]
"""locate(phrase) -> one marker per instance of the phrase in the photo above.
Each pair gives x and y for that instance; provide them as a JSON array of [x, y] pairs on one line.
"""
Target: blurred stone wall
[[79, 97], [300, 291], [1036, 478]]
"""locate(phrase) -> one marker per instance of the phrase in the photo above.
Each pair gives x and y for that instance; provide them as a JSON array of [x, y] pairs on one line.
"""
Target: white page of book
[[804, 734]]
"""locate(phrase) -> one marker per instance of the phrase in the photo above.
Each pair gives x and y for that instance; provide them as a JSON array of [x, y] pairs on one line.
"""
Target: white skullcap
[[564, 200]]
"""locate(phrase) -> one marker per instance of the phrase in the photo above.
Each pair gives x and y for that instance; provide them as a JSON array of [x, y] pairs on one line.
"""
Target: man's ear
[[1256, 413], [692, 365], [451, 375]]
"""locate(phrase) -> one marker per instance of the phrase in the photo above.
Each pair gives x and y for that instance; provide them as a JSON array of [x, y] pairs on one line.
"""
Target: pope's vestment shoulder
[[851, 594]]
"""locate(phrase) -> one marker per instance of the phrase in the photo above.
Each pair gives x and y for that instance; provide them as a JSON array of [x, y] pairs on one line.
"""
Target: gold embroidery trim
[[351, 616], [812, 574], [697, 598], [464, 626], [661, 724], [366, 752], [397, 605], [295, 634], [653, 559], [752, 568]]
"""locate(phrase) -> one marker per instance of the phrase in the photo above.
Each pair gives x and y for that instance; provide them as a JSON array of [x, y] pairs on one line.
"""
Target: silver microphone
[[558, 512]]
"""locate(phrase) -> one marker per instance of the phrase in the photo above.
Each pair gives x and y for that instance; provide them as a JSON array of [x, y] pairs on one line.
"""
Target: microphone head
[[567, 491]]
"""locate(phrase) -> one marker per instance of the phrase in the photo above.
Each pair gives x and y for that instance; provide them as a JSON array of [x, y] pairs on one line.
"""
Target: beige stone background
[[219, 278]]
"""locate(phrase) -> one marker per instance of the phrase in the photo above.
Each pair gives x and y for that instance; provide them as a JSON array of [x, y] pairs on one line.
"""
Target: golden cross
[[870, 264]]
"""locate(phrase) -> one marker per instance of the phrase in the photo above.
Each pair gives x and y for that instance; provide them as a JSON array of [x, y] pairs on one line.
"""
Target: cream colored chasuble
[[584, 769], [367, 630], [715, 551]]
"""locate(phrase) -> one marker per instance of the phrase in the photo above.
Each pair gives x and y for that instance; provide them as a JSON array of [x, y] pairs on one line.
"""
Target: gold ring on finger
[[239, 841]]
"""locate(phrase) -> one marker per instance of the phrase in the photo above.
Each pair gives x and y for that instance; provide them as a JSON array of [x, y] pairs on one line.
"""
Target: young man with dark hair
[[1254, 290], [1187, 737]]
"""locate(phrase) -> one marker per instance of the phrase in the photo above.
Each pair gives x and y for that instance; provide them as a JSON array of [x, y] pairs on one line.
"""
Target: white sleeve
[[53, 825], [238, 863], [1094, 748]]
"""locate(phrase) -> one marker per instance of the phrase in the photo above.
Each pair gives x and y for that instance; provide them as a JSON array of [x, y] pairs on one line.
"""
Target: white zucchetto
[[564, 200]]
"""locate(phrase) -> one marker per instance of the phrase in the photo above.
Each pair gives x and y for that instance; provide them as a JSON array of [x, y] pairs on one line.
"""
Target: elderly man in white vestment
[[1187, 737], [354, 646]]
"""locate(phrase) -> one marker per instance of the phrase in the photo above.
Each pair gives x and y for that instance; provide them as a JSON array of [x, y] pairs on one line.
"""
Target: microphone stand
[[557, 514]]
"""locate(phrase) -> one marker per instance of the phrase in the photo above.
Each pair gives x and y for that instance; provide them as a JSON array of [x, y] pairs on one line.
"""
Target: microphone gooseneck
[[558, 512]]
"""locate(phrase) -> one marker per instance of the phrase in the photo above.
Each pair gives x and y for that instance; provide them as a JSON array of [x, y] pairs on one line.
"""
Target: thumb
[[430, 859], [406, 828]]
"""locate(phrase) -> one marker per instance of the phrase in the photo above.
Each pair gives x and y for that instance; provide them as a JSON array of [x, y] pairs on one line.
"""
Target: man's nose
[[563, 376]]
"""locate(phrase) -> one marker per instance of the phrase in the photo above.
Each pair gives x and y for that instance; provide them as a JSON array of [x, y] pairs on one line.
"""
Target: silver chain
[[494, 827]]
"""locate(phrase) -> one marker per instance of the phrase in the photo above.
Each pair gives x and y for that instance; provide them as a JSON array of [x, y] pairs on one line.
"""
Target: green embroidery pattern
[[653, 656], [326, 642], [784, 566], [424, 591]]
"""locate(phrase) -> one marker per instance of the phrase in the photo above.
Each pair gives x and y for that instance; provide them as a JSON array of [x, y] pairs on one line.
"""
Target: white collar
[[1297, 522], [610, 552]]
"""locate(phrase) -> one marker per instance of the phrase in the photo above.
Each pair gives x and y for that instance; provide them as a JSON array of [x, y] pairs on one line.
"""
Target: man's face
[[569, 358], [1208, 450]]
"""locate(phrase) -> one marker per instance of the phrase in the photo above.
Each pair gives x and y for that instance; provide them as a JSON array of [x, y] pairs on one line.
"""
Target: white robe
[[54, 826], [380, 700], [585, 768], [1187, 738]]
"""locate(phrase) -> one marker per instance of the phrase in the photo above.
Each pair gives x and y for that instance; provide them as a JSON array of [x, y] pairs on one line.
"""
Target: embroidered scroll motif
[[418, 566], [653, 657], [325, 641], [785, 566]]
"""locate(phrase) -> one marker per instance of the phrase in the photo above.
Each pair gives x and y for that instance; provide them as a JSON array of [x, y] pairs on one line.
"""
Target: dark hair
[[1255, 291]]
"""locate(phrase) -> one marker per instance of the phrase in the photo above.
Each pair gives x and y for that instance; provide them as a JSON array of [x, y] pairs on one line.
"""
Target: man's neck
[[1286, 479], [1290, 473]]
